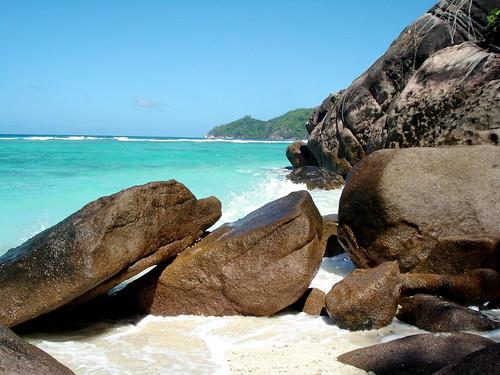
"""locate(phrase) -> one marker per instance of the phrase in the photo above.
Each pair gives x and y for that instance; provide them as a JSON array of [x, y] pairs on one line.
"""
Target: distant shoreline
[[211, 137], [76, 138]]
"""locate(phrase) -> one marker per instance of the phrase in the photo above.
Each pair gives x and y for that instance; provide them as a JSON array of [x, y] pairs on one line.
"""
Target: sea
[[45, 178]]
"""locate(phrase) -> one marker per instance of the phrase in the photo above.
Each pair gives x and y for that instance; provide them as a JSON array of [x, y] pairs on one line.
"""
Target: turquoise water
[[45, 179]]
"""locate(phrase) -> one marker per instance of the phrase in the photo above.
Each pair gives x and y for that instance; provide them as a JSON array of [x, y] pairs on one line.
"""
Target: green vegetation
[[492, 32], [493, 19], [291, 125]]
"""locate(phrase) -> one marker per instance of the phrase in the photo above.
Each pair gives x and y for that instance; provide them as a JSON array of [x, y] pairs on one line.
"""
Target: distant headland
[[287, 126]]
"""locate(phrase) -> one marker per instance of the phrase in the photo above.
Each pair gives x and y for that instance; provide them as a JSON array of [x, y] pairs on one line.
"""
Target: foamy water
[[288, 343], [139, 139], [273, 185]]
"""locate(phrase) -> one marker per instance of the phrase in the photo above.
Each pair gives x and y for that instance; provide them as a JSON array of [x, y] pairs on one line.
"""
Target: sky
[[178, 68]]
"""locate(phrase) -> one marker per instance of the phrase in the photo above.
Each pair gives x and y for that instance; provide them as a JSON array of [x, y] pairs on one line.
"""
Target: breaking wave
[[135, 139]]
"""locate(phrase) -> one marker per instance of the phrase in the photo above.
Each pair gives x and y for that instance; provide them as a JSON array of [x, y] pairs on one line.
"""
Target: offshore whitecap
[[43, 181], [130, 139]]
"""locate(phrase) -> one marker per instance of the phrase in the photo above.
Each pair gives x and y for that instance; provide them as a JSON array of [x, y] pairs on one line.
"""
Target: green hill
[[287, 126]]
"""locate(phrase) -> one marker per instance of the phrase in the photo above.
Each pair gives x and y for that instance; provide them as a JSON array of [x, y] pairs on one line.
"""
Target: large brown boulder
[[437, 315], [365, 299], [471, 287], [417, 93], [257, 265], [298, 155], [104, 243], [434, 210], [421, 354], [17, 357], [482, 362]]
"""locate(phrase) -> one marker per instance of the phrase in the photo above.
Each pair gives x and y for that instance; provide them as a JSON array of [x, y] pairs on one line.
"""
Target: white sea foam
[[135, 139], [38, 138], [196, 140], [274, 186], [123, 139], [286, 343], [33, 229], [331, 272], [55, 138], [191, 344], [59, 138]]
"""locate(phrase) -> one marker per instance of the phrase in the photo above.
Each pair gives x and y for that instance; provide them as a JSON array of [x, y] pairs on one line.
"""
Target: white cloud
[[145, 103]]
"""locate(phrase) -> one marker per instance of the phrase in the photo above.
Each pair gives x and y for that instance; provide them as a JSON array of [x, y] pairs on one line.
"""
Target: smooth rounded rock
[[365, 299], [257, 265], [434, 210], [421, 354], [437, 315]]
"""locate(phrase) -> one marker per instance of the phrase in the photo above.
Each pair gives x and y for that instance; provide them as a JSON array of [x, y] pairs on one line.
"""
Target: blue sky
[[177, 68]]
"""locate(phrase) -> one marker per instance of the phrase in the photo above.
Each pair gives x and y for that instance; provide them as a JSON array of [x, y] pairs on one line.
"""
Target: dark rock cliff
[[437, 84]]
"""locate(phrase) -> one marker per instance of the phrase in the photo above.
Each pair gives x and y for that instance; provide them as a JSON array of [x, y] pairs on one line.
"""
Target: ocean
[[43, 179]]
